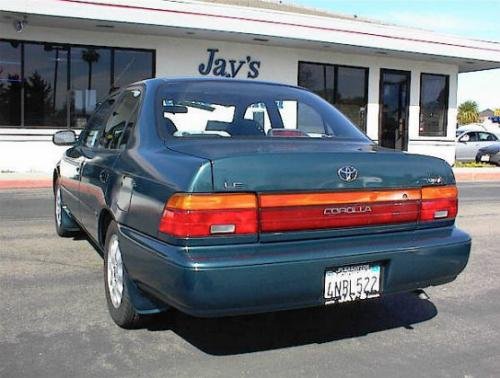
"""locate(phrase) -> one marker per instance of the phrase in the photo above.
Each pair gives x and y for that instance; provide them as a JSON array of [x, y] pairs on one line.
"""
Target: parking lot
[[54, 321]]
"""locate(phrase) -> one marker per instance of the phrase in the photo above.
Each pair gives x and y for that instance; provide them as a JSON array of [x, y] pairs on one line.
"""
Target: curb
[[479, 176], [45, 183], [25, 183], [476, 174]]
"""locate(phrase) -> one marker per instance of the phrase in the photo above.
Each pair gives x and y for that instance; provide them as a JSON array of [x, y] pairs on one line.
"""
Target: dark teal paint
[[229, 275]]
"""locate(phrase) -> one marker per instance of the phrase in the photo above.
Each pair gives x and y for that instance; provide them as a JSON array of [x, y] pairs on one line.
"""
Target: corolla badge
[[347, 173]]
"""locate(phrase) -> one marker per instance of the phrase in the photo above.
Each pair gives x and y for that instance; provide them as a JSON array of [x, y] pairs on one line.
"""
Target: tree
[[468, 113], [496, 112], [90, 56]]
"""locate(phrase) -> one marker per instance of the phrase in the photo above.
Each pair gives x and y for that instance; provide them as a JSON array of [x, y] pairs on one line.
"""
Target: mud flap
[[143, 304]]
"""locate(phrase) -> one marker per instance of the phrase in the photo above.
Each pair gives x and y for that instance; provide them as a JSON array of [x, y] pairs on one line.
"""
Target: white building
[[59, 57]]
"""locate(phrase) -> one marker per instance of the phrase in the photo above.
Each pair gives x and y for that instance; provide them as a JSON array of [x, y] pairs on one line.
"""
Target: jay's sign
[[230, 68]]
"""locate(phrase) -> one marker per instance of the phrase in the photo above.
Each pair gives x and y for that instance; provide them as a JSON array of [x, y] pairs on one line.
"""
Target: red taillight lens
[[201, 215], [439, 203], [289, 212], [349, 215]]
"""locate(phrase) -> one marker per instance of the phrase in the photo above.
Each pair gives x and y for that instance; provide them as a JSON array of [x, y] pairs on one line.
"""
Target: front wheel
[[117, 297]]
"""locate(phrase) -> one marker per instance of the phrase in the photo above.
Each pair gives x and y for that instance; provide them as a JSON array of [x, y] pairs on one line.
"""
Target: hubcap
[[58, 207], [115, 272]]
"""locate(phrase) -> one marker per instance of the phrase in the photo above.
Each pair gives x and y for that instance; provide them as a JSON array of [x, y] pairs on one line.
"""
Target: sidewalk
[[43, 180], [25, 180], [477, 174]]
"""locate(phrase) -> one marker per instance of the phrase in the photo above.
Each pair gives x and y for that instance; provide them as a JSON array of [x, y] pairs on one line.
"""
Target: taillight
[[439, 202], [288, 212], [201, 215]]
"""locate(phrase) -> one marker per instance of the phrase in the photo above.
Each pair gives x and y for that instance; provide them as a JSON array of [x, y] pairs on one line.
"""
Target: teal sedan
[[223, 197]]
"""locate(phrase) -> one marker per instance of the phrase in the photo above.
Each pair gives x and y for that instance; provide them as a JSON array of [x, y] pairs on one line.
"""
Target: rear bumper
[[260, 277]]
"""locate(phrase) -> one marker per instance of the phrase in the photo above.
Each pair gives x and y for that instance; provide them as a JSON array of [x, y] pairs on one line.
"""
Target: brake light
[[201, 215], [439, 202], [288, 212]]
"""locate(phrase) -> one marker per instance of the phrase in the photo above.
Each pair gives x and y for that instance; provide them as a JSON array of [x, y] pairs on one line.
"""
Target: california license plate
[[350, 283], [485, 158]]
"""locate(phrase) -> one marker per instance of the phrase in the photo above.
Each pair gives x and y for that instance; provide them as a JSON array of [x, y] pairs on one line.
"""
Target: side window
[[118, 126], [473, 137], [96, 122], [486, 137], [302, 117], [258, 113]]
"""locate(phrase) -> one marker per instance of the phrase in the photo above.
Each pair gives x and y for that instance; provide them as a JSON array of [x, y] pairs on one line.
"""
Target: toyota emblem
[[347, 173]]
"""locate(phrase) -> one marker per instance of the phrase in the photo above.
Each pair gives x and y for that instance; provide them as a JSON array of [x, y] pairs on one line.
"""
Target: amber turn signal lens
[[439, 203], [212, 201]]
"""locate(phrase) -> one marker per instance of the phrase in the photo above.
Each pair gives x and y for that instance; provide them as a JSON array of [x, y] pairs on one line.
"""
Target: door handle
[[103, 176]]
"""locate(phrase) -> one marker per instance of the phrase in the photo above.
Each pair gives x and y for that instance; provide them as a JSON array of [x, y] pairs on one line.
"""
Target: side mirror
[[64, 138]]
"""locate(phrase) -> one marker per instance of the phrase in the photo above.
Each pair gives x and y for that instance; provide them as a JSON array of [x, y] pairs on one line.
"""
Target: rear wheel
[[65, 225], [119, 304]]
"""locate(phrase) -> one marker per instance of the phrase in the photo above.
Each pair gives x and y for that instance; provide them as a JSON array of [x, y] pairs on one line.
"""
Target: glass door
[[394, 102]]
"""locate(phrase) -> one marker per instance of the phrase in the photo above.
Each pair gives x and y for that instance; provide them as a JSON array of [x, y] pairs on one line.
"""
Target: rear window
[[233, 109]]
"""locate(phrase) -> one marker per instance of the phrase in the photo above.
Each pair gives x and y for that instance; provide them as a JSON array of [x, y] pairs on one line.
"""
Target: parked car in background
[[225, 197], [489, 154], [469, 143], [470, 127]]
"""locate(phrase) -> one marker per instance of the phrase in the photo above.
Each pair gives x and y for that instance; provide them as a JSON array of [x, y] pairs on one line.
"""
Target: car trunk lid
[[324, 185]]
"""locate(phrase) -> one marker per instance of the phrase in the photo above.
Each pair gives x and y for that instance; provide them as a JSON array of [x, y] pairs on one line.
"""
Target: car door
[[89, 149], [466, 145], [97, 173], [69, 177], [484, 139], [72, 160]]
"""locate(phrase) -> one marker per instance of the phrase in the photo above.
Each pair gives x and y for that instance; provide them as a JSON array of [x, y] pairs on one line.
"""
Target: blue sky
[[471, 19]]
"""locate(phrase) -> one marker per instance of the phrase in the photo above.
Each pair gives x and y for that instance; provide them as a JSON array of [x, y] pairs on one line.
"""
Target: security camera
[[19, 25]]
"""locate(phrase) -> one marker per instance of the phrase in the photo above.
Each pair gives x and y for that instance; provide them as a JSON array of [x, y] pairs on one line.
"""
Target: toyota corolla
[[225, 197]]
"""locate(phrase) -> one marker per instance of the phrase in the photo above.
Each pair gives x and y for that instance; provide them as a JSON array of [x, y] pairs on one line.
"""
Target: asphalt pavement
[[54, 321]]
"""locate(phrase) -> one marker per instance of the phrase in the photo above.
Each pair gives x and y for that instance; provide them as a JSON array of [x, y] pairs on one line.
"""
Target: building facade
[[58, 58]]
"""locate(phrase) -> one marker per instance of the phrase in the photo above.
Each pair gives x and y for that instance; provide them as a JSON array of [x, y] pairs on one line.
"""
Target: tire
[[117, 297], [65, 225]]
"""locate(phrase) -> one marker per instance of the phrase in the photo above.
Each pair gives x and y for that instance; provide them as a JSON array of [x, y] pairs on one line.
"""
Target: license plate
[[350, 283], [485, 158]]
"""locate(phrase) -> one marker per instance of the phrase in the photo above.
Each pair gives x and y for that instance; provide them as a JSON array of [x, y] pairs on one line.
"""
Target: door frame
[[407, 109]]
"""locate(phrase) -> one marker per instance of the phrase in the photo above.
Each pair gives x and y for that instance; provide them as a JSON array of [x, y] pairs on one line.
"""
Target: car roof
[[214, 80]]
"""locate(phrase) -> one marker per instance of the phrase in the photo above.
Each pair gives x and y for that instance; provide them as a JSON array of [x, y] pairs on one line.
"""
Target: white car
[[469, 143], [470, 127]]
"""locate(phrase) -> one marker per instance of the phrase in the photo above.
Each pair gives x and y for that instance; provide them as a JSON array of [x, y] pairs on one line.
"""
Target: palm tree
[[90, 55], [468, 113]]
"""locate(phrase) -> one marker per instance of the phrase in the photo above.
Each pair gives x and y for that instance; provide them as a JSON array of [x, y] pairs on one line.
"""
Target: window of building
[[59, 85], [10, 83], [45, 85], [344, 87], [351, 93], [434, 90], [90, 81], [318, 78], [131, 65]]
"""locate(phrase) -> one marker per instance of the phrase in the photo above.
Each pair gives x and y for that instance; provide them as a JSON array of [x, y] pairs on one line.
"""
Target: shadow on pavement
[[251, 333]]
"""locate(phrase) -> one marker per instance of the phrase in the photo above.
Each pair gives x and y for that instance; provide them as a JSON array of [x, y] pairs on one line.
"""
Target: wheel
[[65, 225], [117, 297]]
